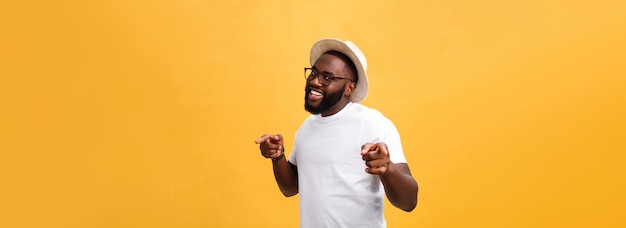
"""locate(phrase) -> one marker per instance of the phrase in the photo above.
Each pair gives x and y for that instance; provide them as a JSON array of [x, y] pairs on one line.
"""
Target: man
[[346, 156]]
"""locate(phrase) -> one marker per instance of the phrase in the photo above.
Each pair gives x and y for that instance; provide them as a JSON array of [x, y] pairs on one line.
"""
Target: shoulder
[[375, 121], [365, 111], [369, 114], [307, 121]]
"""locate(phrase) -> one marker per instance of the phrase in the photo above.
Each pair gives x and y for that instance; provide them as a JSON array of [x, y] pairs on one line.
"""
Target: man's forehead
[[329, 61]]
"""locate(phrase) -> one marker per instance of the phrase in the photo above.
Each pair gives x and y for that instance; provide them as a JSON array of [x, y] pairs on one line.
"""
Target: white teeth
[[316, 93]]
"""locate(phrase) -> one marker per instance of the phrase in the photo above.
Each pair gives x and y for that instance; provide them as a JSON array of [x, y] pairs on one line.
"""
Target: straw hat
[[354, 53]]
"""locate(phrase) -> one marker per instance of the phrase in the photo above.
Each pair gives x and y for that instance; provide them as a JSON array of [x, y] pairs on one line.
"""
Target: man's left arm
[[400, 186]]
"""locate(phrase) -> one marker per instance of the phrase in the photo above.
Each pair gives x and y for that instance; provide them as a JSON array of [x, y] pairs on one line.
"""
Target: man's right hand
[[271, 146]]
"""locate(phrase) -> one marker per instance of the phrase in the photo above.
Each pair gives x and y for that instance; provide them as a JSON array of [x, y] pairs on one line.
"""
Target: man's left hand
[[376, 157]]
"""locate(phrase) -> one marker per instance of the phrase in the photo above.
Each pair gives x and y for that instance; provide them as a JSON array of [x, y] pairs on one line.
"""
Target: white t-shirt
[[335, 190]]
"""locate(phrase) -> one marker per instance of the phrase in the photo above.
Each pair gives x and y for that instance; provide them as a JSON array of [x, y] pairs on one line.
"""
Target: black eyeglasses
[[310, 74]]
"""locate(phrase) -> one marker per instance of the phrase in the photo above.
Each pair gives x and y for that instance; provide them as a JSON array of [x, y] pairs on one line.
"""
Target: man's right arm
[[285, 173]]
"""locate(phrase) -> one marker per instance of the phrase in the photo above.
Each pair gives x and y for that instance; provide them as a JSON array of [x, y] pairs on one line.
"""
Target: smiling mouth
[[315, 93]]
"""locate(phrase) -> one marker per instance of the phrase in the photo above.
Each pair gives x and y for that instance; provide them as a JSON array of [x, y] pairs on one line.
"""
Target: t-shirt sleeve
[[293, 157], [394, 144], [378, 128]]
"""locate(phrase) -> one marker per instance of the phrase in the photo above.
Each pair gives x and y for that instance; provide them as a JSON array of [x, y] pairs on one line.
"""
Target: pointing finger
[[262, 139]]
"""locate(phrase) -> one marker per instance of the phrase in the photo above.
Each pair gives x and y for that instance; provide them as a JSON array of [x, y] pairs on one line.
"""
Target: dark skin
[[400, 186]]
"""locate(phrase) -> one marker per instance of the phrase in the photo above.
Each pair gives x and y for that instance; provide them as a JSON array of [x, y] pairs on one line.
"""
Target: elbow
[[413, 201], [289, 192], [410, 206], [407, 206]]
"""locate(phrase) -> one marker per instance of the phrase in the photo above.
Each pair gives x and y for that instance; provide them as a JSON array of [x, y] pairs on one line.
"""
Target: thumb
[[278, 139], [382, 148], [367, 147]]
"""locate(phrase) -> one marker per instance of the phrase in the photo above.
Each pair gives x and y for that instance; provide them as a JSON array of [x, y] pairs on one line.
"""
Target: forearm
[[286, 177], [400, 187]]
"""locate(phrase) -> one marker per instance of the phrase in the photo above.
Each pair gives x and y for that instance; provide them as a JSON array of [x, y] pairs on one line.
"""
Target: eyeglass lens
[[309, 75]]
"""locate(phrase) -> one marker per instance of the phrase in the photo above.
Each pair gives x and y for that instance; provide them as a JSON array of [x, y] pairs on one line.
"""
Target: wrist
[[282, 154]]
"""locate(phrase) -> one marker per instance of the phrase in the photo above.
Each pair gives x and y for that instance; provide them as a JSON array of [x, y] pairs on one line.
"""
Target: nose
[[317, 81]]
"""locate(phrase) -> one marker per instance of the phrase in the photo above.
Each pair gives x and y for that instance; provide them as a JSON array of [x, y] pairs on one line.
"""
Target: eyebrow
[[323, 72]]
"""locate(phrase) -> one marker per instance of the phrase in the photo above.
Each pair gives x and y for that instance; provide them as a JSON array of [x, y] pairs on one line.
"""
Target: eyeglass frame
[[330, 78]]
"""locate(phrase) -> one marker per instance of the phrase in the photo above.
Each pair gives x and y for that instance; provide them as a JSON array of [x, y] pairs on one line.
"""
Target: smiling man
[[346, 156]]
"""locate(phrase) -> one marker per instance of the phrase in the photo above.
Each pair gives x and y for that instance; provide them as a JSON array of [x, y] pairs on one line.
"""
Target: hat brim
[[354, 53]]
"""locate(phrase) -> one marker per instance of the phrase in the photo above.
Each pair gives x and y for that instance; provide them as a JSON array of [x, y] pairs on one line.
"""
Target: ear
[[349, 88]]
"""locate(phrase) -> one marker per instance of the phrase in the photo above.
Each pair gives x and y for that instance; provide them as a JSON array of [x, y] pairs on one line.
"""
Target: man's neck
[[336, 108]]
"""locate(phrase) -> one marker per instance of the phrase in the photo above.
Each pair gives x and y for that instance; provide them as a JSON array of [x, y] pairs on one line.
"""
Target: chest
[[330, 143]]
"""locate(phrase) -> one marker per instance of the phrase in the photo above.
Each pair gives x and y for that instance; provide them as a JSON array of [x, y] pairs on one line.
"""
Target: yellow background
[[144, 113]]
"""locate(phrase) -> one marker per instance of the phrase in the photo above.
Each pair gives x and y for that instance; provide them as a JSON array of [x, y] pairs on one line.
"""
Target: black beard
[[328, 101]]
